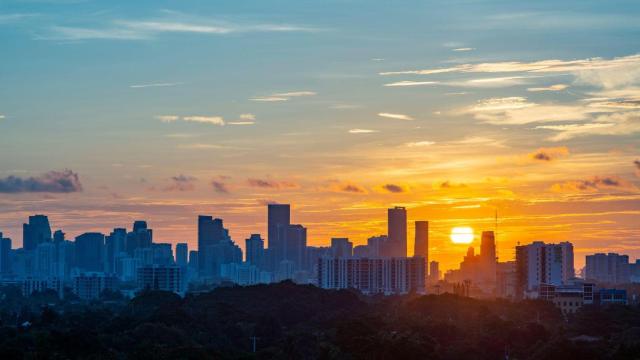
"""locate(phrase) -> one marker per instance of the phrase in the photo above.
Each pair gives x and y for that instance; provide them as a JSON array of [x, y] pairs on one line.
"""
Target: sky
[[162, 110]]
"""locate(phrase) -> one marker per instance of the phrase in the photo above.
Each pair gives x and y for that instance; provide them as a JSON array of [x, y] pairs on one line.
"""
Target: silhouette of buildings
[[609, 268], [539, 263], [182, 254], [36, 232], [91, 285], [161, 277], [89, 252], [397, 232], [421, 245]]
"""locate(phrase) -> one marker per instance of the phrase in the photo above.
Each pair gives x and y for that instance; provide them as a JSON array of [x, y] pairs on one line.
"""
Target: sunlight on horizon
[[462, 235]]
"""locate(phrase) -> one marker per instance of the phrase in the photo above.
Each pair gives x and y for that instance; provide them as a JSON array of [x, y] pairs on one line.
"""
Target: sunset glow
[[462, 235]]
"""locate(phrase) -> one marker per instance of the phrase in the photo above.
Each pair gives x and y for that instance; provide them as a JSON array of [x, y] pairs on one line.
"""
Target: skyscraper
[[36, 232], [609, 268], [89, 251], [397, 231], [341, 247], [295, 245], [488, 259], [254, 246], [141, 237], [182, 254], [421, 246], [210, 232], [5, 250], [539, 263], [278, 219]]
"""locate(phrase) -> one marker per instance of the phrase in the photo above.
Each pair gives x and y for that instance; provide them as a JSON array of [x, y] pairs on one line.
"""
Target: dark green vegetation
[[304, 322]]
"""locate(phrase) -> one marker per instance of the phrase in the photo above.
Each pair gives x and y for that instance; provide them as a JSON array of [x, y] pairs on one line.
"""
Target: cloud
[[449, 185], [463, 49], [420, 143], [176, 24], [2, 116], [12, 18], [181, 183], [594, 184], [271, 184], [65, 181], [395, 116], [556, 87], [393, 188], [517, 110], [549, 154], [219, 187], [542, 66], [139, 86], [624, 123], [245, 119], [410, 83], [199, 146], [212, 120], [637, 164], [247, 116], [284, 96], [345, 187], [362, 131]]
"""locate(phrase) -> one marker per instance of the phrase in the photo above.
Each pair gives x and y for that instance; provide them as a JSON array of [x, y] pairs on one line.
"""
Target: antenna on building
[[495, 233]]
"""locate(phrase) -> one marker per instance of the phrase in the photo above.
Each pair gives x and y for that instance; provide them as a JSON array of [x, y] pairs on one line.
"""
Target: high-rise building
[[377, 245], [5, 260], [434, 272], [372, 276], [609, 268], [341, 247], [421, 245], [543, 264], [210, 232], [295, 245], [91, 285], [161, 277], [35, 232], [278, 220], [397, 231], [58, 236], [254, 247], [488, 260], [182, 254], [114, 245], [89, 250], [141, 237], [45, 260]]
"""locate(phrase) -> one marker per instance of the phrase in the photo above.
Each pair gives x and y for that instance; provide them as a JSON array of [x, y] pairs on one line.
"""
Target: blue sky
[[319, 97]]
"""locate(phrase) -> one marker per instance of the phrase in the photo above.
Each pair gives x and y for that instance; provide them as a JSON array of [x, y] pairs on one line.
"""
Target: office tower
[[89, 286], [5, 260], [397, 231], [45, 260], [341, 247], [372, 276], [115, 244], [254, 247], [421, 246], [609, 268], [193, 259], [539, 263], [361, 251], [35, 232], [58, 236], [210, 232], [139, 238], [161, 277], [182, 254], [163, 254], [377, 245], [278, 219], [488, 259], [89, 250], [295, 245], [434, 271]]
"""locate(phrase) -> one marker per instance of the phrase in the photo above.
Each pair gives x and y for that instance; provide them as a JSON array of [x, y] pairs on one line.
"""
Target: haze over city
[[456, 110]]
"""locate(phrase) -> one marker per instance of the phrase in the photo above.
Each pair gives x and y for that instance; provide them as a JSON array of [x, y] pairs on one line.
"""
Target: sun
[[461, 235]]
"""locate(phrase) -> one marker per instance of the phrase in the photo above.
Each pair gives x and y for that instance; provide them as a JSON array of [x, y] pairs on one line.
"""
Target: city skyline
[[163, 112]]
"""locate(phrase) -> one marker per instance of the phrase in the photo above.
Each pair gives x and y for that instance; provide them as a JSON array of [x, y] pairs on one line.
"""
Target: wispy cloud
[[212, 120], [556, 87], [219, 187], [395, 116], [65, 181], [549, 154], [420, 143], [283, 96], [594, 184], [345, 187], [271, 184], [175, 23], [11, 18], [140, 86], [200, 146], [393, 188], [518, 111], [463, 49], [181, 183], [410, 83], [362, 131]]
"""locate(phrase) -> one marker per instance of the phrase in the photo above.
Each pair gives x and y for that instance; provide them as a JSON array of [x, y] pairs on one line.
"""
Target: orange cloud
[[549, 154], [272, 184], [594, 184]]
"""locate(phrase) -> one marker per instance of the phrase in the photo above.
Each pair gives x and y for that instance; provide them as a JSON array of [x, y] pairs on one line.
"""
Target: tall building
[[5, 260], [543, 264], [35, 232], [609, 268], [114, 245], [254, 247], [161, 277], [91, 285], [373, 276], [89, 251], [141, 237], [421, 245], [488, 259], [278, 220], [210, 232], [434, 272], [397, 231], [182, 254], [295, 245], [341, 247]]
